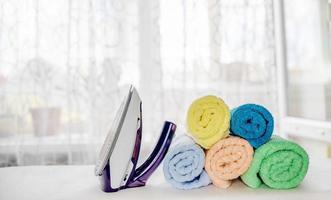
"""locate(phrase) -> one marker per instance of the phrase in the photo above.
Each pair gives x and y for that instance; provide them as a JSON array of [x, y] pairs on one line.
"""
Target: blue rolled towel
[[253, 123], [183, 166]]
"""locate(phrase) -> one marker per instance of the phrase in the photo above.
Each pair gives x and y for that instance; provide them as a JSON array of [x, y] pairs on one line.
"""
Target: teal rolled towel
[[252, 122]]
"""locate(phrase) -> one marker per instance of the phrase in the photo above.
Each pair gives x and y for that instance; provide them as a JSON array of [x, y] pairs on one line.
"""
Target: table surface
[[79, 182]]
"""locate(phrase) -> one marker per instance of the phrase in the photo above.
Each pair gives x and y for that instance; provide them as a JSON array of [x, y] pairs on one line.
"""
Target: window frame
[[289, 125]]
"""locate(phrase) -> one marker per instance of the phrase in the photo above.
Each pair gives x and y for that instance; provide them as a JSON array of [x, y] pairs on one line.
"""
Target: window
[[63, 65]]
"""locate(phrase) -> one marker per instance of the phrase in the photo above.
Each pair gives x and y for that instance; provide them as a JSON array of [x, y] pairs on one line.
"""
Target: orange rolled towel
[[227, 160]]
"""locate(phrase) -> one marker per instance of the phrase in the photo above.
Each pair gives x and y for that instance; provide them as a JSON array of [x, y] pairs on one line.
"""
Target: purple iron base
[[139, 176]]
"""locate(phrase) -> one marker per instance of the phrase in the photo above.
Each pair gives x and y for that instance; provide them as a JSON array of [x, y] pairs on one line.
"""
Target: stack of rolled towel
[[223, 145]]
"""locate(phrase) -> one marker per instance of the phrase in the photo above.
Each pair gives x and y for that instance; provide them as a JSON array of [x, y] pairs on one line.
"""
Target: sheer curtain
[[64, 64]]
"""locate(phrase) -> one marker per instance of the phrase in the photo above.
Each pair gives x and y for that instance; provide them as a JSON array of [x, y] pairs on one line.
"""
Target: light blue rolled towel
[[183, 166]]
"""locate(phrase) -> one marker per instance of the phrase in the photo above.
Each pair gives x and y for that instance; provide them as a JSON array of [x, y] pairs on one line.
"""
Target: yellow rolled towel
[[208, 120]]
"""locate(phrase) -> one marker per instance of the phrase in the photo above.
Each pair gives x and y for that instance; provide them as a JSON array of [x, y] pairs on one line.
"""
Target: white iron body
[[120, 160]]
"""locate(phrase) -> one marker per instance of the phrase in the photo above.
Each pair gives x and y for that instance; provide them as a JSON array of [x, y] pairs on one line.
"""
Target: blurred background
[[65, 65]]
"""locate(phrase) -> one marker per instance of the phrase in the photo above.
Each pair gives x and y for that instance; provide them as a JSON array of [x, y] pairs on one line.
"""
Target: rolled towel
[[227, 160], [208, 120], [253, 123], [183, 165], [279, 164]]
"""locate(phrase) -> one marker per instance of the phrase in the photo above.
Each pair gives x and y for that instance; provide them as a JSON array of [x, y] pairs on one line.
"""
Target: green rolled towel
[[279, 164]]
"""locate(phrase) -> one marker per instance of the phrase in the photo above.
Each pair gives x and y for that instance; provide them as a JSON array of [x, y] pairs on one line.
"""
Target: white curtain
[[64, 64]]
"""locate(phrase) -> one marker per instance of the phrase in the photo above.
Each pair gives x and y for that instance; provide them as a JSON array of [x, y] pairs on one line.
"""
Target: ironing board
[[79, 182]]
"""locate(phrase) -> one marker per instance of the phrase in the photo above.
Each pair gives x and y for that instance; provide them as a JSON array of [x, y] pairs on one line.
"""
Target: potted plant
[[46, 116]]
